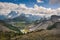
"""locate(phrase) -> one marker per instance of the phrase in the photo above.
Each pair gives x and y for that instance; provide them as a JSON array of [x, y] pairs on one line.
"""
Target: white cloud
[[39, 1], [6, 8]]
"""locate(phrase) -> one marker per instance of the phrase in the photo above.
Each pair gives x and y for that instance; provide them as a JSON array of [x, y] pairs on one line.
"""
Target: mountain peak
[[12, 14]]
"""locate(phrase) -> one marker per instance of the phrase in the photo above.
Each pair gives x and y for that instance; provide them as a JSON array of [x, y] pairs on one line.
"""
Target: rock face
[[55, 18], [57, 25], [48, 23], [56, 29]]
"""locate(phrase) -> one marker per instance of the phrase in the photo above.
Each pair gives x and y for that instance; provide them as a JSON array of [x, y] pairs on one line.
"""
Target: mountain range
[[17, 16], [54, 20]]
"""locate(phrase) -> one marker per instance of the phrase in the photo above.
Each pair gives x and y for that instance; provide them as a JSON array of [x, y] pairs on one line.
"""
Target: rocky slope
[[7, 27]]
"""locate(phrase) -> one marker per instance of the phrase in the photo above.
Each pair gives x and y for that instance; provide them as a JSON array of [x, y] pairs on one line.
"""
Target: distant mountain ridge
[[16, 16], [22, 17], [12, 14]]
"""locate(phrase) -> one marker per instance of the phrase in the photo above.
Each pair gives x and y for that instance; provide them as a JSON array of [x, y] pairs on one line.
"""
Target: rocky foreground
[[39, 35]]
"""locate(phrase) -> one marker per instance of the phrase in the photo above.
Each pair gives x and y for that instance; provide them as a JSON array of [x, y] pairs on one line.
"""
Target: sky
[[31, 3], [34, 7]]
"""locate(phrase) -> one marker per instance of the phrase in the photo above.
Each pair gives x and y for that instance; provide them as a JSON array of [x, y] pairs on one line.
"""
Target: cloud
[[39, 1], [54, 1], [6, 8]]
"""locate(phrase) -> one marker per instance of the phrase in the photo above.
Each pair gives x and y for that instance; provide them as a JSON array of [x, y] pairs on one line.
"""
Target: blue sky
[[27, 2], [31, 3], [22, 1]]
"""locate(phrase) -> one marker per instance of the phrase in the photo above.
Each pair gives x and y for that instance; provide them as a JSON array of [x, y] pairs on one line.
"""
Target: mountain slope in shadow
[[8, 27]]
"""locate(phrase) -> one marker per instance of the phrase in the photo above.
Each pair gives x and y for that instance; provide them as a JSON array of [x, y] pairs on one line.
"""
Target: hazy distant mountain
[[12, 14], [2, 17], [21, 17], [33, 17], [27, 17], [15, 16]]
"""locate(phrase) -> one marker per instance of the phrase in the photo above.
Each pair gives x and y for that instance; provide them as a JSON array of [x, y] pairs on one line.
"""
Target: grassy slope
[[40, 35], [2, 23], [21, 25]]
